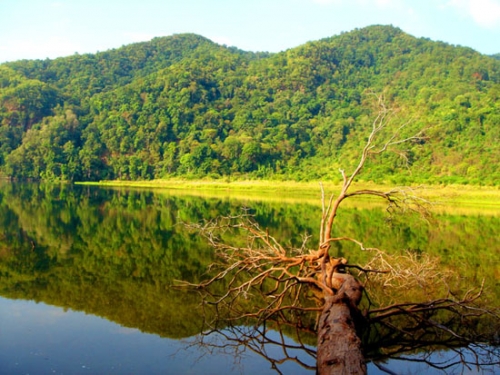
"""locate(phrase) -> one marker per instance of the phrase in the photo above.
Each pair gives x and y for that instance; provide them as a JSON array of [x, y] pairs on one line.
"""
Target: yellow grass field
[[452, 196]]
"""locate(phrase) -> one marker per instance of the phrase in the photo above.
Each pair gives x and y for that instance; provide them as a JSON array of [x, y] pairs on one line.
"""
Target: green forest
[[183, 106]]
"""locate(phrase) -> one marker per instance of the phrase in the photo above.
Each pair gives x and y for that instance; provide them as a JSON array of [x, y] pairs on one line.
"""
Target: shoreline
[[448, 194]]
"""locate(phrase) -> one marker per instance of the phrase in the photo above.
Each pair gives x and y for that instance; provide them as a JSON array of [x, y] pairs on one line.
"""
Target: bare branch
[[264, 281]]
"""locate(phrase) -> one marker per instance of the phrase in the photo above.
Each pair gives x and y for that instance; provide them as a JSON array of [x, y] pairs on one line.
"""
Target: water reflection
[[41, 339], [115, 254]]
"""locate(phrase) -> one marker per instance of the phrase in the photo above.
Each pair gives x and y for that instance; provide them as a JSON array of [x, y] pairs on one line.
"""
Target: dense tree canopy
[[184, 106]]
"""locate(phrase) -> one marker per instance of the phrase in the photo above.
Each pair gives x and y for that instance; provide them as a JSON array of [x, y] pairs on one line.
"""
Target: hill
[[185, 106]]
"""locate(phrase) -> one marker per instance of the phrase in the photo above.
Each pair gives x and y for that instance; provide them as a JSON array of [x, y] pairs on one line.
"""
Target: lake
[[87, 274]]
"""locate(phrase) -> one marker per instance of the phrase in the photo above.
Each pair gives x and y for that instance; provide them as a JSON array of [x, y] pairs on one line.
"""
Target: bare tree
[[286, 283]]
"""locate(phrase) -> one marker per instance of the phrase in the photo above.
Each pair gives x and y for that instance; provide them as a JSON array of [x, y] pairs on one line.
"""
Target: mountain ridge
[[186, 106]]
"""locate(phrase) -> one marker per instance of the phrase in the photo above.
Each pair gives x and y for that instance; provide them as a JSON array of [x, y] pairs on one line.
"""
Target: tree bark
[[339, 346]]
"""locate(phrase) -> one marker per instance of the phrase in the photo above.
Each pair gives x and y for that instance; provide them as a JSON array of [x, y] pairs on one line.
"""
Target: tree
[[283, 281], [278, 113]]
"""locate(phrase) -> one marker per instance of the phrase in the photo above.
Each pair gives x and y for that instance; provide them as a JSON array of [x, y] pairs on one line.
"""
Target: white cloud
[[485, 13]]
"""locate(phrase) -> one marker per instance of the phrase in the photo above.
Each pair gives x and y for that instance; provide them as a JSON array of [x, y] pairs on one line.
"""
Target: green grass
[[450, 195]]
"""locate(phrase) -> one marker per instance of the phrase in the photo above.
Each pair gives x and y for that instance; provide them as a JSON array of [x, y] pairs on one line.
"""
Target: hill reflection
[[116, 253]]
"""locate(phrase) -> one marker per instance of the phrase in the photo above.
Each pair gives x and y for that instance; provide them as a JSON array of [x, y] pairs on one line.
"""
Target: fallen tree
[[282, 282]]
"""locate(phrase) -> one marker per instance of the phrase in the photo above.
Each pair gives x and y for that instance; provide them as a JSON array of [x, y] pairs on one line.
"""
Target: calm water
[[86, 275]]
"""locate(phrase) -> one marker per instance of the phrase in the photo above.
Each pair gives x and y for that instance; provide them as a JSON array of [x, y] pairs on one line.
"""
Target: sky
[[39, 29]]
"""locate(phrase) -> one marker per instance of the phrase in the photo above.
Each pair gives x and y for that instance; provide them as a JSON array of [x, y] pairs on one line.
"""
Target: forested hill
[[185, 106]]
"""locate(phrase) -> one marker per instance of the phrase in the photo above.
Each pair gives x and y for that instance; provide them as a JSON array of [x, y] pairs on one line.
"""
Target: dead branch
[[269, 342], [264, 281]]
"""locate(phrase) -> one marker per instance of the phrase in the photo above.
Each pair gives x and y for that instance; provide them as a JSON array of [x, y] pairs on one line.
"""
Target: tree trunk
[[339, 347]]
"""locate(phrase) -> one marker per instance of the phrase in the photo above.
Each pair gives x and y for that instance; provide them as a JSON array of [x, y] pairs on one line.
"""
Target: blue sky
[[37, 29]]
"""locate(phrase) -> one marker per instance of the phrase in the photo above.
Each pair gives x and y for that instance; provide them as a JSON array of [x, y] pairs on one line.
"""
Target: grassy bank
[[449, 194]]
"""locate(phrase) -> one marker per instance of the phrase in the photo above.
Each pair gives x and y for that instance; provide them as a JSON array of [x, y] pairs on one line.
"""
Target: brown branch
[[276, 277], [434, 305]]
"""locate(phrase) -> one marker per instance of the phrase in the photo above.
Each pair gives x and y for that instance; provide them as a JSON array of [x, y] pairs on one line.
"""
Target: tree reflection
[[273, 345], [258, 285], [116, 254], [446, 338]]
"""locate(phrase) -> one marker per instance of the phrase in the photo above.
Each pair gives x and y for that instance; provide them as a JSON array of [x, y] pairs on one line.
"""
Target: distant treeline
[[185, 106]]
